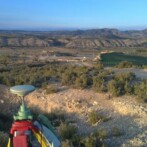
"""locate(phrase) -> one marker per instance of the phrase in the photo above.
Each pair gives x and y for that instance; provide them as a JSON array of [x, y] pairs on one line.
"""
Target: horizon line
[[72, 29]]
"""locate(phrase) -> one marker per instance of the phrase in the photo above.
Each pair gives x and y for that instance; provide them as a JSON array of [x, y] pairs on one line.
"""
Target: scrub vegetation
[[82, 77]]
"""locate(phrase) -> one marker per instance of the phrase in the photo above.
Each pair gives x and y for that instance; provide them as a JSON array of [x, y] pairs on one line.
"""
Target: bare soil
[[125, 113]]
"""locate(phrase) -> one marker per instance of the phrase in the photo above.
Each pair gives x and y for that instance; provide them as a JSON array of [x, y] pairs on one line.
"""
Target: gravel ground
[[125, 113]]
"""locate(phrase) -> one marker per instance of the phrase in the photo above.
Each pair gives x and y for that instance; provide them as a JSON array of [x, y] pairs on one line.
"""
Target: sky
[[72, 14]]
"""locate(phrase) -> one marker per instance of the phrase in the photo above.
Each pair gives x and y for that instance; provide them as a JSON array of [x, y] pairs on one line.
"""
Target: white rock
[[2, 101]]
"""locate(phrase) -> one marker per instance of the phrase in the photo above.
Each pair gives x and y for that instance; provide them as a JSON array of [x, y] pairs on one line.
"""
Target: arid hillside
[[70, 43], [126, 119], [74, 39]]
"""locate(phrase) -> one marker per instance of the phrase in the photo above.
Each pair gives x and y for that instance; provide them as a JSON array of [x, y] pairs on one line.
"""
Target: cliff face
[[75, 39]]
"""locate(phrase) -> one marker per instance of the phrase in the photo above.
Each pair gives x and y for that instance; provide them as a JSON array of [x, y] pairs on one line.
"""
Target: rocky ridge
[[72, 43], [74, 39]]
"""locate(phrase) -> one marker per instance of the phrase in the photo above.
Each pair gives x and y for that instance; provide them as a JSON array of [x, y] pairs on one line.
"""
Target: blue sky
[[60, 14]]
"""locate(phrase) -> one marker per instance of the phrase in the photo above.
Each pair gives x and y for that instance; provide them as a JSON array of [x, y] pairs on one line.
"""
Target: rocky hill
[[74, 39]]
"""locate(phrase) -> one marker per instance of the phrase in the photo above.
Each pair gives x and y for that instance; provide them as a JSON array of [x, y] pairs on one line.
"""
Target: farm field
[[115, 58]]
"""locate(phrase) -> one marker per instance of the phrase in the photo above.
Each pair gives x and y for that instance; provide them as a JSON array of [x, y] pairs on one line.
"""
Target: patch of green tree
[[121, 84], [140, 90]]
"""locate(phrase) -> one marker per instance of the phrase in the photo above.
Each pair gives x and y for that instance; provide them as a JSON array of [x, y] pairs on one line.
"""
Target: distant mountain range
[[93, 38]]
